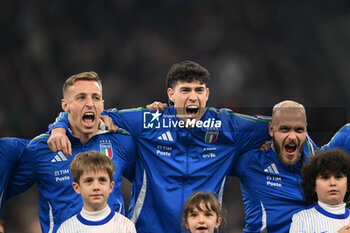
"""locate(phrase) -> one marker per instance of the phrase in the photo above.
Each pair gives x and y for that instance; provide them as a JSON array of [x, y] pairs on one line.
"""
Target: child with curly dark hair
[[326, 182]]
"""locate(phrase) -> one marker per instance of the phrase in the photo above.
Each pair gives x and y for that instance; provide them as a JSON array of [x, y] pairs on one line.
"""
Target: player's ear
[[64, 105], [171, 94], [270, 129], [76, 187], [207, 92]]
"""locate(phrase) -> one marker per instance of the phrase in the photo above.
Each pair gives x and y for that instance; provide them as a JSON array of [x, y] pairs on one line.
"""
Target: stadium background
[[258, 53]]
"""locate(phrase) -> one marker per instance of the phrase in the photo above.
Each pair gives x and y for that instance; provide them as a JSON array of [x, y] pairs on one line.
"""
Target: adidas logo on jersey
[[59, 157], [273, 179], [166, 137], [272, 169]]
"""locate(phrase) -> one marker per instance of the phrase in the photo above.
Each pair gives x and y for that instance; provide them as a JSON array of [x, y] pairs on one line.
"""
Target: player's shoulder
[[39, 142], [13, 142], [229, 113], [220, 111], [131, 110], [121, 135], [256, 155], [40, 139], [345, 128]]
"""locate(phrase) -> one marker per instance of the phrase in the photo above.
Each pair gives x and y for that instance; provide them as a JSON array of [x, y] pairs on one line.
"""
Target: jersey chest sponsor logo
[[62, 175], [106, 148], [209, 152], [211, 135], [163, 150]]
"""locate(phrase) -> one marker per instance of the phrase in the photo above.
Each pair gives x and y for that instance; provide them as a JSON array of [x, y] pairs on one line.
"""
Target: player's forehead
[[289, 117], [84, 87], [181, 84]]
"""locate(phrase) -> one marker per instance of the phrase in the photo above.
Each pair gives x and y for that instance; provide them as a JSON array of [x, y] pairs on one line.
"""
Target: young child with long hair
[[326, 182], [202, 213]]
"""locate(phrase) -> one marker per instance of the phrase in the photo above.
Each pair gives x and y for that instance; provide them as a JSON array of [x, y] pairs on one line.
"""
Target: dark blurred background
[[258, 53]]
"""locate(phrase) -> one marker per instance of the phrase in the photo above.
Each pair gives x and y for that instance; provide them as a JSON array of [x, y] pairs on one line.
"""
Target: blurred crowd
[[258, 53]]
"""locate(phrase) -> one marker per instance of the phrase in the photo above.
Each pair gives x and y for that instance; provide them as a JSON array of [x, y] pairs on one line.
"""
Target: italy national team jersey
[[57, 199], [319, 220], [341, 139], [175, 161], [271, 190], [11, 164]]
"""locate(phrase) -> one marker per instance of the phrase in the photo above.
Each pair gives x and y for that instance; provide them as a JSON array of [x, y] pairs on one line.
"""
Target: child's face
[[202, 221], [94, 188], [331, 189]]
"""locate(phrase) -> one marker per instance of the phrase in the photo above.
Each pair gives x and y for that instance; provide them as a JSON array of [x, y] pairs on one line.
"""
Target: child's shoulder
[[65, 225], [124, 222], [305, 214], [121, 217]]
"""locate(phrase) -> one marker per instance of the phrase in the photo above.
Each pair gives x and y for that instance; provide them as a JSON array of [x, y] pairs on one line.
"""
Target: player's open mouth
[[202, 228], [290, 148], [192, 110], [88, 118]]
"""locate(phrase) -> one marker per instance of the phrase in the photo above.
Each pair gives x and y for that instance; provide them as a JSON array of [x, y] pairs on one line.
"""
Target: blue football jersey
[[271, 190], [57, 199], [177, 158], [341, 139], [11, 165]]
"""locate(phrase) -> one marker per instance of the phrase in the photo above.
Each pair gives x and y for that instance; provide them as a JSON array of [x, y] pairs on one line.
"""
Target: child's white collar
[[95, 216], [334, 209]]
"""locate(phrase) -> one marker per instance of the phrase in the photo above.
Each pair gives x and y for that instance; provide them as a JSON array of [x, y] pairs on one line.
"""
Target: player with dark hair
[[82, 100], [186, 148]]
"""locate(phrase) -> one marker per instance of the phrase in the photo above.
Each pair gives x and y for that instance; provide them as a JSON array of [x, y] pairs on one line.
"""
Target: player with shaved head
[[270, 180]]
